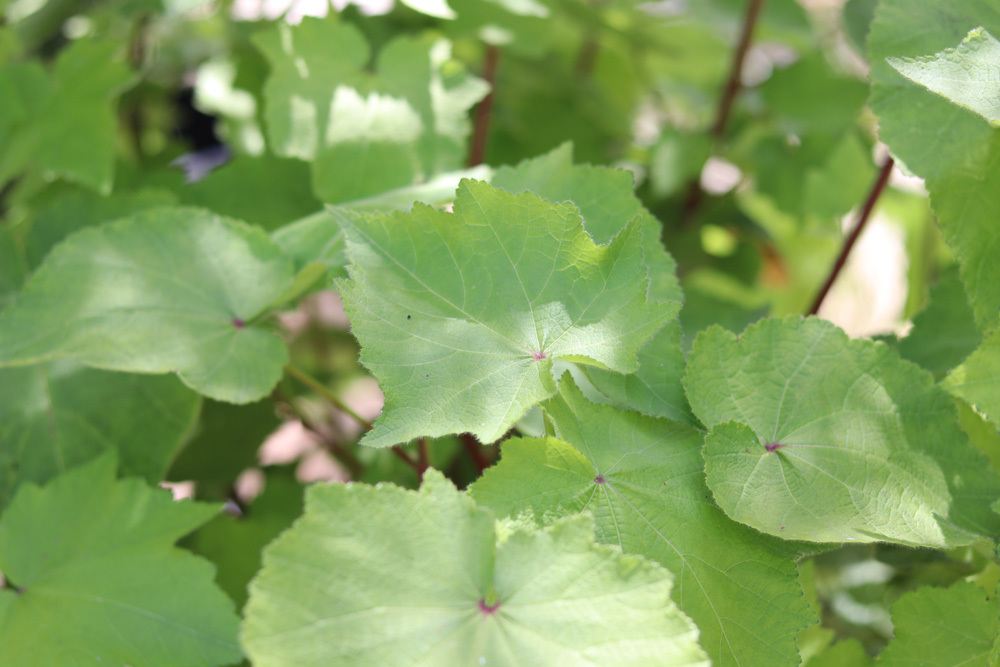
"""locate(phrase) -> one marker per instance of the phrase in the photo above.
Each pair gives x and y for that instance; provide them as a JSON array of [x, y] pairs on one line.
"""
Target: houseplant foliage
[[499, 332]]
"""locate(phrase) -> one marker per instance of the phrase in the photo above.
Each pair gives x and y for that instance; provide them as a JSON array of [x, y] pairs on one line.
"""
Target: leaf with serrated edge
[[460, 316], [642, 479], [172, 290], [381, 576], [977, 379], [968, 75], [55, 416], [99, 582], [943, 627], [817, 437], [955, 150]]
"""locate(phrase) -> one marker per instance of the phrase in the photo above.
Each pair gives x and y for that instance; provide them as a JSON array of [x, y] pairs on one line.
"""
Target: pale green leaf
[[943, 627], [844, 653], [642, 480], [607, 202], [172, 290], [955, 150], [94, 579], [968, 75], [977, 379], [382, 576], [461, 316], [436, 8], [817, 437], [57, 415], [366, 133]]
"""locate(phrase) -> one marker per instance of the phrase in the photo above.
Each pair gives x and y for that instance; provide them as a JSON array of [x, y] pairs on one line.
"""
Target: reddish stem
[[866, 211], [695, 196], [407, 459], [481, 128], [423, 457]]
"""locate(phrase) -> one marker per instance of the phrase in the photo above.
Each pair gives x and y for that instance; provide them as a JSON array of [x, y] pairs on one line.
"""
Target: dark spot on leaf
[[772, 447], [238, 323], [599, 479], [409, 317], [539, 355], [488, 609]]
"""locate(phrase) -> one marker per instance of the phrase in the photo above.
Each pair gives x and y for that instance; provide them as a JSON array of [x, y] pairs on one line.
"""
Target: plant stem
[[330, 397], [481, 129], [734, 84], [407, 459], [423, 457], [866, 211]]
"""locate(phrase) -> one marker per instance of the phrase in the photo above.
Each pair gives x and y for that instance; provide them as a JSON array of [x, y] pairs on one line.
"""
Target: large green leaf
[[956, 150], [977, 379], [173, 290], [461, 316], [965, 75], [818, 437], [382, 576], [607, 202], [57, 415], [366, 133], [93, 578], [944, 627], [642, 479], [62, 122]]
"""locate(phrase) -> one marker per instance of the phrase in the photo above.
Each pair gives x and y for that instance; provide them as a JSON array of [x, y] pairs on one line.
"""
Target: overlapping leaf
[[944, 627], [365, 134], [977, 379], [643, 481], [384, 576], [460, 316], [93, 578], [57, 415], [816, 437], [172, 290], [956, 150], [607, 202]]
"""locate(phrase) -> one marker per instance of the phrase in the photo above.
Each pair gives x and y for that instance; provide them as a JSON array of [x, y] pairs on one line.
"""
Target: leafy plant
[[499, 332]]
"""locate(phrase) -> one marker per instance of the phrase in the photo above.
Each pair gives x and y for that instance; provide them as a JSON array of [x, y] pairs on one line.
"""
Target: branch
[[330, 397], [423, 457], [734, 84], [481, 129], [866, 211], [475, 452]]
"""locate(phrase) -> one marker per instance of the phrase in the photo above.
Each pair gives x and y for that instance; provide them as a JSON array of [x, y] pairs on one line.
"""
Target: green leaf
[[945, 332], [172, 290], [965, 75], [98, 582], [468, 344], [436, 8], [977, 379], [943, 627], [955, 150], [642, 480], [235, 543], [80, 146], [384, 576], [820, 438], [58, 415], [607, 202], [366, 133], [844, 653], [265, 191], [13, 268], [71, 209]]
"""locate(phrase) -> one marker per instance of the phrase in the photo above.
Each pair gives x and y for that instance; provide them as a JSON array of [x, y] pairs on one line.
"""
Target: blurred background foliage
[[171, 93]]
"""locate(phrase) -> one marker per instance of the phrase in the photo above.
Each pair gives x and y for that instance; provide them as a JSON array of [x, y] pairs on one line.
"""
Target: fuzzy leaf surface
[[817, 437], [100, 581], [460, 316], [642, 479], [439, 584], [171, 290]]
